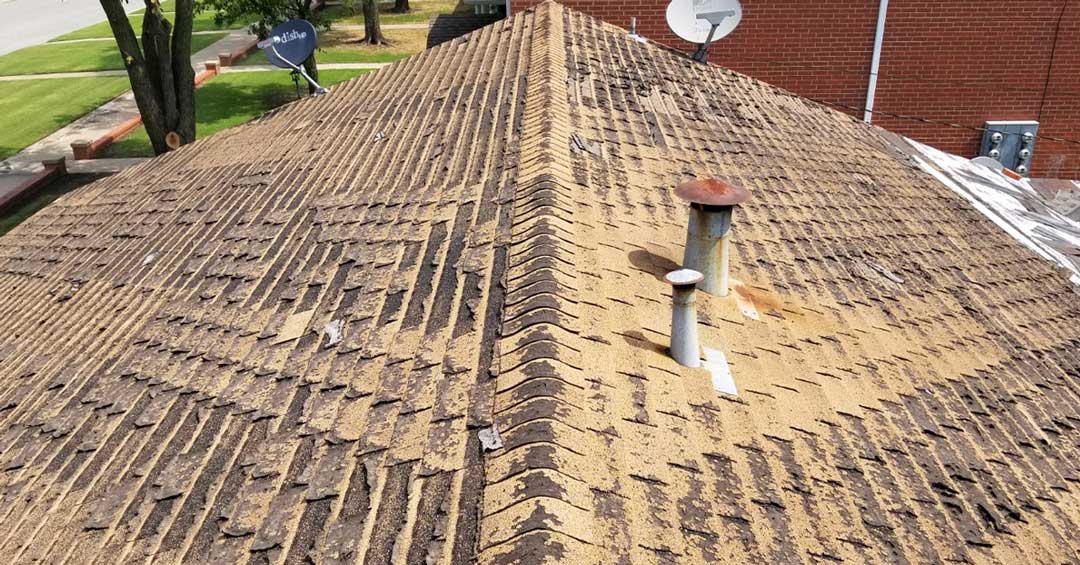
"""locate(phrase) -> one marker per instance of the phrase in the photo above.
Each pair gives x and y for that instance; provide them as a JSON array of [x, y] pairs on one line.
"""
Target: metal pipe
[[704, 234], [875, 61], [685, 349]]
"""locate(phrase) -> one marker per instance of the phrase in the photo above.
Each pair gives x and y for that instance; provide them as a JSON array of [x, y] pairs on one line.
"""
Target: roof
[[285, 341]]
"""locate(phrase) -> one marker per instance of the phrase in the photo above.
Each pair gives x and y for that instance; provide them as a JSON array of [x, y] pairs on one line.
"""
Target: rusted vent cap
[[684, 277], [712, 192]]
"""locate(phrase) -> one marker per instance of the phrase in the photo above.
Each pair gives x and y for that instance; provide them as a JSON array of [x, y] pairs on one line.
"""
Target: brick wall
[[958, 61]]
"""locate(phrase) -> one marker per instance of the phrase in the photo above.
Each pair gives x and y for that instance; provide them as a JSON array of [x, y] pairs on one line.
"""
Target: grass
[[422, 11], [228, 100], [43, 198], [47, 105], [202, 22], [72, 57], [341, 46]]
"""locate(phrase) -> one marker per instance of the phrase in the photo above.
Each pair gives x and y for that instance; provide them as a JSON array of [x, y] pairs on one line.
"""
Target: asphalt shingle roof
[[282, 342]]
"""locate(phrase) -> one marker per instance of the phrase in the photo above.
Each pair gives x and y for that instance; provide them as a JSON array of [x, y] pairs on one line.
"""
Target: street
[[29, 22]]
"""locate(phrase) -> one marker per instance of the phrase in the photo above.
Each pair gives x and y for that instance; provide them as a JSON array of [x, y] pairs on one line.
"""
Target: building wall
[[956, 61]]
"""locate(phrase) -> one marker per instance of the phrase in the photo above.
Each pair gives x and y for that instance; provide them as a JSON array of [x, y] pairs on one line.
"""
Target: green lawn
[[202, 22], [47, 105], [71, 57], [341, 46], [228, 100], [422, 11], [43, 198]]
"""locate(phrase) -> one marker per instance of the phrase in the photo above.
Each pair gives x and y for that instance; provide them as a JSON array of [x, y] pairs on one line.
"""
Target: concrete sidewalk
[[93, 39], [322, 67], [91, 126], [353, 27], [103, 165]]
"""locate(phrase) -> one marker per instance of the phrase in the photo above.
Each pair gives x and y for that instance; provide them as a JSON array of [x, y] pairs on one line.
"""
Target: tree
[[268, 13], [372, 31], [159, 70], [402, 6]]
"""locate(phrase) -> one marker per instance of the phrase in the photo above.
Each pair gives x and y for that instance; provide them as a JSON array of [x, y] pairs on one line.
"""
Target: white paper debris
[[150, 258], [490, 440], [333, 332], [717, 365]]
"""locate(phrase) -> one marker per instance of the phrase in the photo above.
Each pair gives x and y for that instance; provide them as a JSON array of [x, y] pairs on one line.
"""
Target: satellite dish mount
[[703, 22], [297, 41], [714, 19]]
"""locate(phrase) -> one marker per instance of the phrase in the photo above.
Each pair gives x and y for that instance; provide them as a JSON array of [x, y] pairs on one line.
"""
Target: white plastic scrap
[[333, 332], [490, 440], [716, 364], [150, 258]]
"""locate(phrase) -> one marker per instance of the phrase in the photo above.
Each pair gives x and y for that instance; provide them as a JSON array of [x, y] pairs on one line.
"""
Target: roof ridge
[[534, 504]]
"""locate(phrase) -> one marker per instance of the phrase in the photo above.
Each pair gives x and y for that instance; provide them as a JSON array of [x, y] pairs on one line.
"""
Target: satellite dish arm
[[271, 42], [714, 19], [702, 54]]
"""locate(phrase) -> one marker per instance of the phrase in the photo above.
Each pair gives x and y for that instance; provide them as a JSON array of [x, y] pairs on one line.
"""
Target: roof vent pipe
[[684, 337], [708, 231]]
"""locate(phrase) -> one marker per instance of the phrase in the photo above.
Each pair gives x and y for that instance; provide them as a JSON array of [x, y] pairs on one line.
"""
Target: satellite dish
[[294, 42], [289, 45], [703, 21]]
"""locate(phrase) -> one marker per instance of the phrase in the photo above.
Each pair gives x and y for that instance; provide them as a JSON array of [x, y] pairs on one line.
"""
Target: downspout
[[875, 62]]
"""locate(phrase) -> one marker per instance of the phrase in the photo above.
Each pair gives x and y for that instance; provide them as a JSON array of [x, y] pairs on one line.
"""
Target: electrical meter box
[[1010, 143]]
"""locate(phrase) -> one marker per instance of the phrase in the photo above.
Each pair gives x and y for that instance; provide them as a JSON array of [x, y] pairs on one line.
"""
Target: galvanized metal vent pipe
[[684, 336], [708, 231]]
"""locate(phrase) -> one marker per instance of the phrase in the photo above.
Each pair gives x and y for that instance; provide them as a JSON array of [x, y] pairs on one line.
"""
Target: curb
[[82, 150], [54, 168]]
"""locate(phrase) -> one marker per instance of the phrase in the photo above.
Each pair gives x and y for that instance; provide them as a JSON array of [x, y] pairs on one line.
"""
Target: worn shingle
[[282, 342]]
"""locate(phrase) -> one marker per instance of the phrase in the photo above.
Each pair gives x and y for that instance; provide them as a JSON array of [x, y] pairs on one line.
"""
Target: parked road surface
[[29, 22]]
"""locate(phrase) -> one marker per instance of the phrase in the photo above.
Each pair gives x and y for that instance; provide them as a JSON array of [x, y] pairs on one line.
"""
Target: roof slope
[[490, 222]]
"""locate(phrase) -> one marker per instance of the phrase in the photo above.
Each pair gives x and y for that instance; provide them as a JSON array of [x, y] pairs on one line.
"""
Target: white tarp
[[1012, 204]]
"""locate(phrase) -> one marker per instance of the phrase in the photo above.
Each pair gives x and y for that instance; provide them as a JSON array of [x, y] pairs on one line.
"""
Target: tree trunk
[[303, 11], [402, 6], [160, 72], [183, 74], [312, 70], [371, 22]]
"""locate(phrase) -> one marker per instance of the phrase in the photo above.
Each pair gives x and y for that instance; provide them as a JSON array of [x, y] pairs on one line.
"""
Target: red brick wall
[[957, 61]]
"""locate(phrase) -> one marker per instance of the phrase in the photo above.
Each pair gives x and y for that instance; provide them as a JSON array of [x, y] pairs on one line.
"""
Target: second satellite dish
[[289, 45], [294, 41], [703, 21]]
